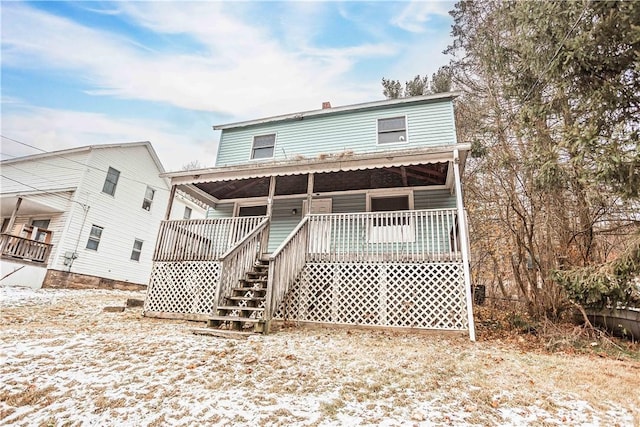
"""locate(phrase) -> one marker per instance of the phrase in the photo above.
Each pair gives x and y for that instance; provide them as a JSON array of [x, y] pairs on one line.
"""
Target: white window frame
[[378, 132], [94, 238], [253, 148], [189, 210], [137, 251], [146, 201], [403, 233], [106, 180], [248, 204]]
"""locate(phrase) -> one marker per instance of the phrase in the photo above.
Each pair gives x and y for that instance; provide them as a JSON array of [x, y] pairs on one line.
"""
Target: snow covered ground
[[64, 361]]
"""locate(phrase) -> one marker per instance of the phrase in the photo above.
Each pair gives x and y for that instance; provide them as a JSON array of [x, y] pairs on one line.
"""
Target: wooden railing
[[238, 260], [23, 248], [201, 239], [285, 264], [420, 235]]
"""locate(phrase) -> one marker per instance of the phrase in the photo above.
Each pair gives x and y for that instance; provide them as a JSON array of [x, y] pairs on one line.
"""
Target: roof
[[424, 99], [58, 153]]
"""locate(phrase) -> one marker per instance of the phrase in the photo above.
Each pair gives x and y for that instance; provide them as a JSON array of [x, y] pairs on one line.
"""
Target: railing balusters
[[23, 248]]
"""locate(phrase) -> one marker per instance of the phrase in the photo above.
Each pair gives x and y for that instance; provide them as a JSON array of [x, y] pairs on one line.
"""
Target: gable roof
[[424, 99], [58, 153]]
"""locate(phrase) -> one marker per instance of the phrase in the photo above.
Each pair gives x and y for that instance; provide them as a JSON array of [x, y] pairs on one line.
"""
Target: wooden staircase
[[243, 310]]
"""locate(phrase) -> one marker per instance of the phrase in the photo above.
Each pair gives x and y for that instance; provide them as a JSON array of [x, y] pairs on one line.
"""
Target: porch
[[25, 249], [377, 240]]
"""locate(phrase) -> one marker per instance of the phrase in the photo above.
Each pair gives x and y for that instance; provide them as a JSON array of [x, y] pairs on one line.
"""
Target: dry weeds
[[64, 361]]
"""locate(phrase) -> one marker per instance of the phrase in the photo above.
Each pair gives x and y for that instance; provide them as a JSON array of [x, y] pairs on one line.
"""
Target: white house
[[350, 215], [85, 216]]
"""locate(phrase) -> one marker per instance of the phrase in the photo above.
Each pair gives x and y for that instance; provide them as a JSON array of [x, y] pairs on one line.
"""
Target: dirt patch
[[65, 360]]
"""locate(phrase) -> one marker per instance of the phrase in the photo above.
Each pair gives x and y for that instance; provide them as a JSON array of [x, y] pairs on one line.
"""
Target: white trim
[[253, 141], [244, 203], [387, 193]]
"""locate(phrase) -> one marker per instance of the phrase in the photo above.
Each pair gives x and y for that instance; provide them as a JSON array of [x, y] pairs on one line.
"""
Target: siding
[[433, 199], [49, 173], [282, 221], [121, 215], [428, 125]]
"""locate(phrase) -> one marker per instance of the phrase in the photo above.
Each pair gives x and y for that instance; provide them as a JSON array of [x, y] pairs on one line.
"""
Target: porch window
[[187, 213], [148, 198], [394, 226], [42, 232], [111, 181], [392, 130], [94, 237], [137, 249], [263, 146]]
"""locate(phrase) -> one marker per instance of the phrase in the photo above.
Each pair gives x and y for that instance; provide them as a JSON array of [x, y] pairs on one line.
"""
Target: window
[[137, 249], [111, 181], [391, 225], [263, 146], [392, 130], [187, 213], [148, 199], [41, 224], [94, 237]]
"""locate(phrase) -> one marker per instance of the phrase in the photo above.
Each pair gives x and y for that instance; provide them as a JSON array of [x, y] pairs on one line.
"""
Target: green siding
[[221, 211], [428, 125], [433, 199], [283, 221]]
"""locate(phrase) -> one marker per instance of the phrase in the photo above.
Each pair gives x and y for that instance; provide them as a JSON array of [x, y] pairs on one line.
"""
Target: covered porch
[[375, 240]]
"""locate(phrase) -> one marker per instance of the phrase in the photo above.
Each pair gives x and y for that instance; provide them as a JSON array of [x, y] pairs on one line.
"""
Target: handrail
[[284, 266], [24, 248], [237, 261]]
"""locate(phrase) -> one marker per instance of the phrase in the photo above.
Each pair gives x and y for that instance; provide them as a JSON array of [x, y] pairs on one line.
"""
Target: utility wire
[[45, 191]]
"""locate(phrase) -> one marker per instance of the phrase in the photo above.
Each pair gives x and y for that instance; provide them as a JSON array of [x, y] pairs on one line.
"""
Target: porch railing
[[201, 239], [419, 235], [238, 260], [285, 264], [23, 248]]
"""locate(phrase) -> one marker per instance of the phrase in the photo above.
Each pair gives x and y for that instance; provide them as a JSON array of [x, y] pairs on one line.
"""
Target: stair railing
[[284, 266], [237, 261]]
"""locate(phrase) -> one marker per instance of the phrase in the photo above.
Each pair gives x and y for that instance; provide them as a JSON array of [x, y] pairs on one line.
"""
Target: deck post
[[172, 195], [14, 214], [264, 243], [464, 245]]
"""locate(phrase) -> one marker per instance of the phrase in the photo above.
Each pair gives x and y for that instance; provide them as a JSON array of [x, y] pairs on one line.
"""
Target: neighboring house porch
[[376, 239]]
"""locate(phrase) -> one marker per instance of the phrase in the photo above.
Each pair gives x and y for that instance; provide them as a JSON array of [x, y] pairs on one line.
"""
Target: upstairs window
[[137, 250], [111, 181], [392, 130], [94, 237], [148, 198], [263, 146], [187, 213]]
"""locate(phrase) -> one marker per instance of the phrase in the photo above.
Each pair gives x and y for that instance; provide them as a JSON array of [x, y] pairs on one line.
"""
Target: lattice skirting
[[416, 295], [187, 287]]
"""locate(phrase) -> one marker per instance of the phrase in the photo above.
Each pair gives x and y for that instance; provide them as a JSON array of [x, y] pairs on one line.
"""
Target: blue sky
[[79, 73]]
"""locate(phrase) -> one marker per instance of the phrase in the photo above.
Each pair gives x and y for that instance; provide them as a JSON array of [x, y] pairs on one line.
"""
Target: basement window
[[392, 130], [263, 146]]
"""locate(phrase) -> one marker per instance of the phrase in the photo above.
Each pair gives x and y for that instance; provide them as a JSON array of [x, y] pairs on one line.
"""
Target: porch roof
[[195, 182]]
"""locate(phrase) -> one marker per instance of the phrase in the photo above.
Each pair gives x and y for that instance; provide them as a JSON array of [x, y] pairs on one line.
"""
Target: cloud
[[415, 16], [236, 70], [51, 129]]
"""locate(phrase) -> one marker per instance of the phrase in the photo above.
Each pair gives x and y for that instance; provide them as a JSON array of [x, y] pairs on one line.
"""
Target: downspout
[[464, 245]]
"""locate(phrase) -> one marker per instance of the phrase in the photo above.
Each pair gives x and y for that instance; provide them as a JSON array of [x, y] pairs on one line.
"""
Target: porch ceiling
[[27, 207]]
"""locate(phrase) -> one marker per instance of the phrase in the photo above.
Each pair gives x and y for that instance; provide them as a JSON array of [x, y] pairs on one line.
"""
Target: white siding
[[121, 215], [45, 174], [179, 203]]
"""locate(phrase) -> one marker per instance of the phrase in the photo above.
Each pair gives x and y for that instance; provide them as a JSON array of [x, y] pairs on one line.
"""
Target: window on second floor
[[137, 250], [111, 181], [187, 213], [94, 237], [148, 198], [263, 146], [392, 130]]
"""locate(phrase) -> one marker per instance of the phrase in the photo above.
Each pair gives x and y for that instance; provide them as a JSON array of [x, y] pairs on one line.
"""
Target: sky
[[94, 72]]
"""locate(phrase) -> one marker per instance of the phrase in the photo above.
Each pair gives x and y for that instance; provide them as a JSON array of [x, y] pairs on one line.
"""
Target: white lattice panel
[[187, 287], [417, 295]]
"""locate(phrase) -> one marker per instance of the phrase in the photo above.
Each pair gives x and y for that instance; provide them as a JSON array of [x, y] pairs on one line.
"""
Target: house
[[350, 215], [86, 216]]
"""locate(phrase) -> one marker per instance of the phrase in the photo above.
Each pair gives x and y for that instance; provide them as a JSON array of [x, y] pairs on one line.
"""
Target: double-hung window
[[392, 130], [111, 181], [148, 199], [94, 237], [263, 146], [187, 213], [137, 250]]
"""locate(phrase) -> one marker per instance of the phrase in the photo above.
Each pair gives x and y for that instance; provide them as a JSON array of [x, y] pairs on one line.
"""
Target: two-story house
[[86, 216], [349, 215]]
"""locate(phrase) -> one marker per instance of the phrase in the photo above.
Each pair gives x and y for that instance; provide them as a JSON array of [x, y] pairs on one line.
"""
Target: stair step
[[222, 333], [243, 298], [254, 280], [233, 307], [258, 273], [233, 319], [249, 289]]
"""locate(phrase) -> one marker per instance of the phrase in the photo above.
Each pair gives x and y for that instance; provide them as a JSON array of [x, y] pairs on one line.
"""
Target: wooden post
[[310, 183], [172, 195], [264, 243], [14, 214], [464, 246]]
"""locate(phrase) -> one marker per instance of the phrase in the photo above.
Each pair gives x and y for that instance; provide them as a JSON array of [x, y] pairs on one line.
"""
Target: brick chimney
[[326, 105]]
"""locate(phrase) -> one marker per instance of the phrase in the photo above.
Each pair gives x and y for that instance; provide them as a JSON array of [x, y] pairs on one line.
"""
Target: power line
[[45, 191], [74, 161]]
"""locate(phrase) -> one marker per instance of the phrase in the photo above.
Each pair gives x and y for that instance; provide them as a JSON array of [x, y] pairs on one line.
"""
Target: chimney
[[326, 105]]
